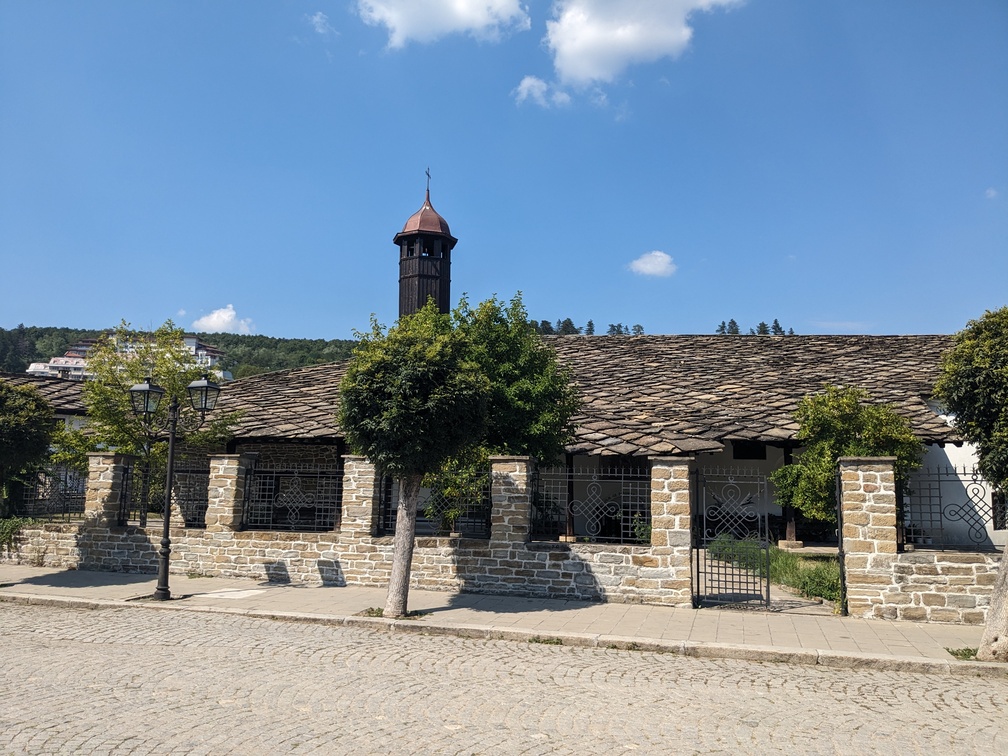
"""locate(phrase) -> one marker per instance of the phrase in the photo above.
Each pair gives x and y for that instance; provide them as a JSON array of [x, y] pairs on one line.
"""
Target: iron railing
[[595, 504], [143, 491], [52, 493], [731, 538], [456, 503], [293, 497], [949, 508]]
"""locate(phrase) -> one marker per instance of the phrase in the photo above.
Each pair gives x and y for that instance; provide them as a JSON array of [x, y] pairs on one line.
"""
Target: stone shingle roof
[[659, 395], [296, 404], [63, 395], [676, 394]]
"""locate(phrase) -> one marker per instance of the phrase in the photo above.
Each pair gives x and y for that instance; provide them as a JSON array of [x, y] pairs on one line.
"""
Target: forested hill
[[244, 355], [248, 355]]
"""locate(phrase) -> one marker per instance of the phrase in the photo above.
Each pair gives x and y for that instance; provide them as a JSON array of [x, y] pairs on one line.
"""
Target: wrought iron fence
[[143, 491], [52, 493], [731, 538], [458, 502], [293, 497], [949, 508], [596, 504]]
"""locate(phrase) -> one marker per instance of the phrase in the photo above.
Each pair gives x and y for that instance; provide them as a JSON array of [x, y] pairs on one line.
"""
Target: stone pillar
[[361, 498], [105, 483], [868, 512], [511, 497], [671, 529], [226, 491]]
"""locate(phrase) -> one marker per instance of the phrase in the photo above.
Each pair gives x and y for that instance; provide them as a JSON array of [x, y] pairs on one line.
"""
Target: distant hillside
[[245, 355], [248, 355]]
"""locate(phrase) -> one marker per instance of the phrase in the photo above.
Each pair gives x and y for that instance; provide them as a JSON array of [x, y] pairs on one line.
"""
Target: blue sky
[[243, 165]]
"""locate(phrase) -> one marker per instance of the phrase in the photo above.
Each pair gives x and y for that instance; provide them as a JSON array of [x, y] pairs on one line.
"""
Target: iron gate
[[731, 538]]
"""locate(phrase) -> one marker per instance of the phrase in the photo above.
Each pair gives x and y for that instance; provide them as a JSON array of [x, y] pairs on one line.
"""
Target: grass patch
[[813, 576], [545, 641], [963, 654]]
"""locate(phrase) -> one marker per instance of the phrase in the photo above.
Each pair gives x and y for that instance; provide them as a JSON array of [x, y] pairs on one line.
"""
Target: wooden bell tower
[[425, 246]]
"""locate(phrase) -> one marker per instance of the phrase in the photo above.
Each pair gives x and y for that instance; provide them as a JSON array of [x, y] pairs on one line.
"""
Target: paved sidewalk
[[803, 633]]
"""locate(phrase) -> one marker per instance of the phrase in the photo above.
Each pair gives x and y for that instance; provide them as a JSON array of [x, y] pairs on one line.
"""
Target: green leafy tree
[[119, 360], [440, 393], [26, 423], [974, 387], [531, 396], [840, 422], [411, 398], [637, 329]]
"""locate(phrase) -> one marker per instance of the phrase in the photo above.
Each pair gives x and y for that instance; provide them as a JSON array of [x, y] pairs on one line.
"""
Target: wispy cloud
[[410, 20], [320, 23], [654, 263], [534, 89], [224, 320], [596, 40], [991, 193]]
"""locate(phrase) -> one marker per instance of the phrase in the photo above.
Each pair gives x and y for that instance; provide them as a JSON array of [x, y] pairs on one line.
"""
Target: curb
[[695, 649]]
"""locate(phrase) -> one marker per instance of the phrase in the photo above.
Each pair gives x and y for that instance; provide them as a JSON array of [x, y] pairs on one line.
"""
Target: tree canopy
[[731, 328], [119, 360], [437, 387], [840, 422], [26, 424], [974, 388], [413, 396]]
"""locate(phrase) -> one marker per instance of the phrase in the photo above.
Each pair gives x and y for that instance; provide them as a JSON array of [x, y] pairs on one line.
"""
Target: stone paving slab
[[712, 633]]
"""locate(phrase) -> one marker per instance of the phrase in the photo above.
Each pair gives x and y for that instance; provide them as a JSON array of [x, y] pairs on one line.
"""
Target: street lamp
[[145, 398]]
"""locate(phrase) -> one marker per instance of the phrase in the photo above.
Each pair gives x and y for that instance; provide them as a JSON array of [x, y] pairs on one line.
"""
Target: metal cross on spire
[[428, 177]]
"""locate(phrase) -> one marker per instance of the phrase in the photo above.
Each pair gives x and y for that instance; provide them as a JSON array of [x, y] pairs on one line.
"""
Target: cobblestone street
[[135, 681]]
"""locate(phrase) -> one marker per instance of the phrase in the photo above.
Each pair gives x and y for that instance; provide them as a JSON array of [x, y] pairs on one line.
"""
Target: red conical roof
[[426, 220]]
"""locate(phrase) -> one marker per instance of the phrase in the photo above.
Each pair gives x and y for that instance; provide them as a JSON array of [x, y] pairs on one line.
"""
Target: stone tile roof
[[675, 394], [65, 396], [296, 404], [659, 395]]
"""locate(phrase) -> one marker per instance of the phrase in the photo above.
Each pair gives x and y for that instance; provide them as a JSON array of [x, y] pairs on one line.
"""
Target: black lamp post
[[145, 398]]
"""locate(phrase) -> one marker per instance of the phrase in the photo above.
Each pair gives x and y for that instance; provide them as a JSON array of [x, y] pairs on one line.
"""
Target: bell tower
[[425, 245]]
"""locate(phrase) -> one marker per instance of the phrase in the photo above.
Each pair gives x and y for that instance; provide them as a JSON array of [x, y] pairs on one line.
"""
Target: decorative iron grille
[[606, 504], [293, 497], [448, 505], [52, 493], [143, 491], [731, 538], [950, 508]]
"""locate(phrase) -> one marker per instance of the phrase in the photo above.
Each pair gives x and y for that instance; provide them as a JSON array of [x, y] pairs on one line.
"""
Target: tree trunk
[[994, 644], [402, 551]]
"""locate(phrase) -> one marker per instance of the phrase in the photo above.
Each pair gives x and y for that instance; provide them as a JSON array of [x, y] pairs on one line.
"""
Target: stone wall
[[507, 563], [931, 586]]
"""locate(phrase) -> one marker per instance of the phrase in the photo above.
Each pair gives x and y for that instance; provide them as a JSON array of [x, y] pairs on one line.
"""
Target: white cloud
[[538, 91], [320, 23], [596, 40], [180, 313], [654, 264], [224, 320], [991, 193], [428, 20]]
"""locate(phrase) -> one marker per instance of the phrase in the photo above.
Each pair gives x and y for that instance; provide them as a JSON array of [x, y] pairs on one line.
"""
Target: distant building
[[73, 364]]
